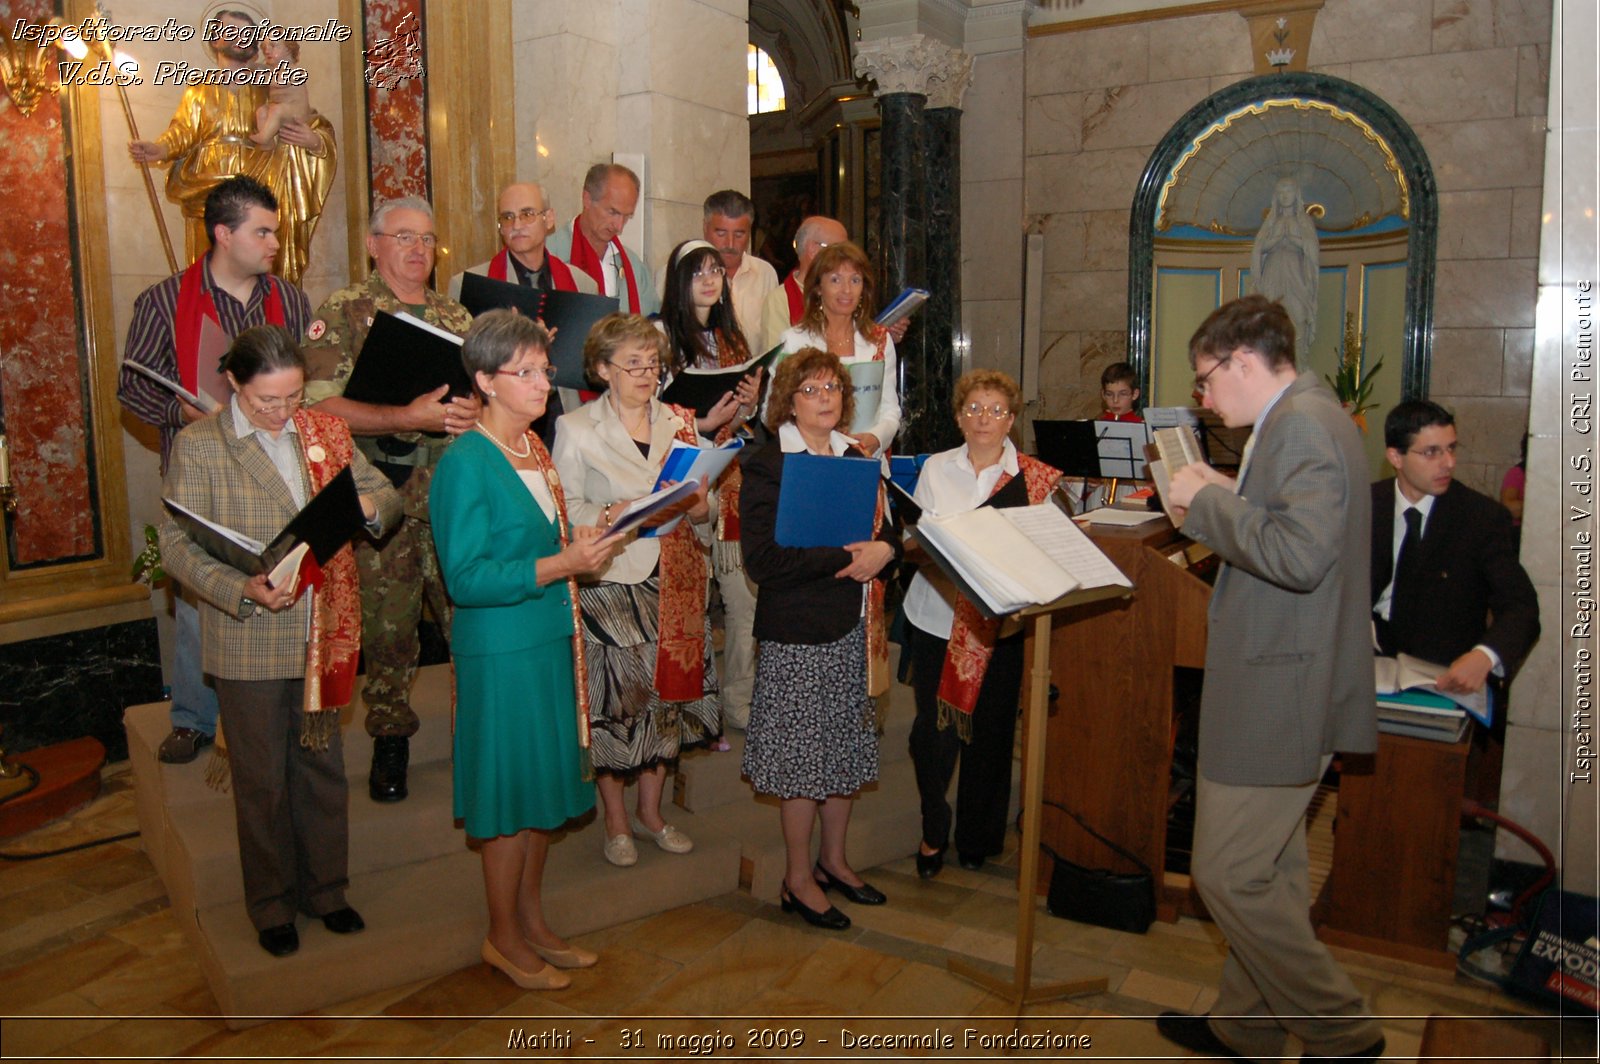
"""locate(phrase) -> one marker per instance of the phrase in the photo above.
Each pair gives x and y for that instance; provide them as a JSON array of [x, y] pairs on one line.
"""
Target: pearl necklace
[[527, 444]]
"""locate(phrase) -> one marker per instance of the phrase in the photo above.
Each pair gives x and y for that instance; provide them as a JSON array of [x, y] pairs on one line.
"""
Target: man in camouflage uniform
[[405, 443]]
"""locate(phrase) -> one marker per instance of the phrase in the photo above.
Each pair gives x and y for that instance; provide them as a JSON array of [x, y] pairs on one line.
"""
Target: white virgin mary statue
[[1284, 261]]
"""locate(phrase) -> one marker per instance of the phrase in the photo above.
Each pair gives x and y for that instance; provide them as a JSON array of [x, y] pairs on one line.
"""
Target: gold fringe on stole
[[218, 771], [315, 731], [949, 715]]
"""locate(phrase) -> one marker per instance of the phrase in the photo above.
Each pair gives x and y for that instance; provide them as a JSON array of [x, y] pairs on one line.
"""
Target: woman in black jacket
[[812, 739]]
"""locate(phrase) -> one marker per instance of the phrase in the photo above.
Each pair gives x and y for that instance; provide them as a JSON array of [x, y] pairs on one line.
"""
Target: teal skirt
[[517, 760]]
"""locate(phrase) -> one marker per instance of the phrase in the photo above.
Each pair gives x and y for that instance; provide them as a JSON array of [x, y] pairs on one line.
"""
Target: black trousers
[[291, 803], [984, 792]]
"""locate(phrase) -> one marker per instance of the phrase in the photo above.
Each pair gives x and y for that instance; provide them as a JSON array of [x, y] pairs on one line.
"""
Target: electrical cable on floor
[[69, 849]]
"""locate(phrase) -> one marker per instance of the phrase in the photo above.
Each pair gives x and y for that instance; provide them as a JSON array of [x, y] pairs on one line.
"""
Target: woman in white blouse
[[840, 304]]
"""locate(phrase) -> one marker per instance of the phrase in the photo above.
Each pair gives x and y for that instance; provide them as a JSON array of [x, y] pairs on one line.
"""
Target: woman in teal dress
[[499, 520]]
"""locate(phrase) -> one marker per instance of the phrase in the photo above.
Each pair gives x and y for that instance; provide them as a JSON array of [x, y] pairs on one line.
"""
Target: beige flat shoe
[[668, 838], [620, 851], [544, 979]]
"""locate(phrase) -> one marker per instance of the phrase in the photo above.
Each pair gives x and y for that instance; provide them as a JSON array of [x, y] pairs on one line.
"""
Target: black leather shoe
[[183, 745], [969, 862], [344, 921], [1372, 1052], [832, 920], [929, 864], [1193, 1033], [386, 782], [865, 894], [279, 941]]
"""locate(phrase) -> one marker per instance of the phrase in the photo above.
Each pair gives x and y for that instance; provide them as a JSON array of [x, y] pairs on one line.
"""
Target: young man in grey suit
[[1288, 682]]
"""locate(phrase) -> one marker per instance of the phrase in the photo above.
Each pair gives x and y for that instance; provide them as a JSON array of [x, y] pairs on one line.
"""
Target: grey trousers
[[1251, 870], [291, 803]]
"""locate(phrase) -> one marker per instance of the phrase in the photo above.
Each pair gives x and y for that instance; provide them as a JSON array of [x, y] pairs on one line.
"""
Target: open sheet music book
[[202, 399], [1007, 559], [1178, 447], [1412, 682]]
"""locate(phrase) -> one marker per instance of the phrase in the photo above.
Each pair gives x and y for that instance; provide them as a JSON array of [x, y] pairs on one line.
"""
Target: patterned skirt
[[813, 729], [630, 726]]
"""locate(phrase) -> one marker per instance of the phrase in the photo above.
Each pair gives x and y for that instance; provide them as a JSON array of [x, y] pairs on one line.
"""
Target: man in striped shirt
[[232, 287]]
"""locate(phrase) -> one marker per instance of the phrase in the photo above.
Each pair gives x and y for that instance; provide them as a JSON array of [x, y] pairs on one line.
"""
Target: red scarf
[[731, 351], [797, 298], [972, 635], [585, 259], [681, 624], [560, 275], [194, 300], [334, 645]]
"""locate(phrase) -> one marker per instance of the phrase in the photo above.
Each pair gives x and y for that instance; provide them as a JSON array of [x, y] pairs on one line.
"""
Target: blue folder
[[825, 501]]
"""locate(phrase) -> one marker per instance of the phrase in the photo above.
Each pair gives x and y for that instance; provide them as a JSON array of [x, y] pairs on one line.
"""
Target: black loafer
[[344, 921], [279, 941], [969, 862], [832, 919], [865, 894], [183, 745], [386, 781], [1193, 1033], [1372, 1052], [929, 864]]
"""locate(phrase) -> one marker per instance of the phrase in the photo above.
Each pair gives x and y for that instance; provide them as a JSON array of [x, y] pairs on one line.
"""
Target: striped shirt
[[151, 343]]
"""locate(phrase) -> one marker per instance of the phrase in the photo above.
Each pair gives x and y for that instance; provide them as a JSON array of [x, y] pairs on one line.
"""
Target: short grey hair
[[495, 338], [388, 207]]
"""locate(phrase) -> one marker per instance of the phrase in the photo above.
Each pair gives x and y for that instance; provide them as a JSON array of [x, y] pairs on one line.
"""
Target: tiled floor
[[92, 964]]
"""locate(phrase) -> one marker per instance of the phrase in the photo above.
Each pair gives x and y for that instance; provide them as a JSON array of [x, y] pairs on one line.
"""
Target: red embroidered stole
[[797, 298], [560, 275], [730, 352], [580, 670], [334, 646], [972, 635], [585, 259], [195, 302], [681, 625]]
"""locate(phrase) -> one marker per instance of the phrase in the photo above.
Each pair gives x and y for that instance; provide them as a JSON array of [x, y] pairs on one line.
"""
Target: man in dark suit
[[1464, 601], [1288, 682]]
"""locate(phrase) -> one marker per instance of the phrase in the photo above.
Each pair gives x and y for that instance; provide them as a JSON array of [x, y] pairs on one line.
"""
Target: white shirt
[[887, 423], [609, 270], [949, 485], [283, 451], [539, 488], [750, 285]]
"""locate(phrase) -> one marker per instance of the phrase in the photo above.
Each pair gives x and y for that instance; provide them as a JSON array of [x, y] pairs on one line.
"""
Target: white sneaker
[[668, 838], [620, 852]]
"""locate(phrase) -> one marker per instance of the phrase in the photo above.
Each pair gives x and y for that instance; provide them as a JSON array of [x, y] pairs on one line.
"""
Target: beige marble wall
[[1470, 79], [662, 79], [1539, 789], [991, 213]]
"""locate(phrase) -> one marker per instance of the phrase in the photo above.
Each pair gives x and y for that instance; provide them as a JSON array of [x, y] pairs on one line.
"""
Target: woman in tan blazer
[[251, 468], [647, 640]]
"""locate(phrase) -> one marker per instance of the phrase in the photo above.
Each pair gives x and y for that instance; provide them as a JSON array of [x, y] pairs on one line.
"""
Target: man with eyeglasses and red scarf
[[232, 287]]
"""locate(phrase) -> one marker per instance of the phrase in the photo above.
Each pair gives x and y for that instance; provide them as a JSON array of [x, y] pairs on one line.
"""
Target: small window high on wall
[[766, 86]]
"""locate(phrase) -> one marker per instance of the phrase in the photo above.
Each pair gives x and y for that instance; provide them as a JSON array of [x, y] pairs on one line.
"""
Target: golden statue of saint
[[209, 141]]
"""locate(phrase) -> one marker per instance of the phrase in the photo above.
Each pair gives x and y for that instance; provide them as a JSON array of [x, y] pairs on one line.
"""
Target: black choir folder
[[703, 389], [326, 523], [404, 357], [826, 501], [1005, 559], [570, 315]]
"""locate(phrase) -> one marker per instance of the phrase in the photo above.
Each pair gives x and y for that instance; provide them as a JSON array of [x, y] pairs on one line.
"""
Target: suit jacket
[[559, 244], [232, 482], [491, 534], [599, 464], [1288, 655], [800, 600], [583, 281], [1469, 573]]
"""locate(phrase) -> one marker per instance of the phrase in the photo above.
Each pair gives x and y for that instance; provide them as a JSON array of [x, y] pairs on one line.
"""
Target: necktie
[[1406, 565]]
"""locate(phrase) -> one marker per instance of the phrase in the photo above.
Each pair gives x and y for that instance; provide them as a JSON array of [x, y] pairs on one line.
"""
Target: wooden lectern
[[1109, 740], [1037, 701]]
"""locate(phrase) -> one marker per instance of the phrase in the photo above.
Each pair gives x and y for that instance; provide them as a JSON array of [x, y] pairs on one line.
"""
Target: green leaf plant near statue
[[1353, 387], [147, 564]]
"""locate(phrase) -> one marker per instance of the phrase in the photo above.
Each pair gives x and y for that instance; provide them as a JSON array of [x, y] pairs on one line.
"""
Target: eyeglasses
[[273, 406], [1434, 452], [1201, 383], [636, 370], [528, 373], [1115, 394], [977, 410], [526, 216], [709, 271], [409, 239], [811, 391]]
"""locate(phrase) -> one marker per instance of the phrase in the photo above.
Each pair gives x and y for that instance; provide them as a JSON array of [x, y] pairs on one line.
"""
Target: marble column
[[920, 238]]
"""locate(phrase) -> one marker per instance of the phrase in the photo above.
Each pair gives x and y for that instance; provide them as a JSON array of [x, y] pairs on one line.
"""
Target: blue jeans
[[194, 703]]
